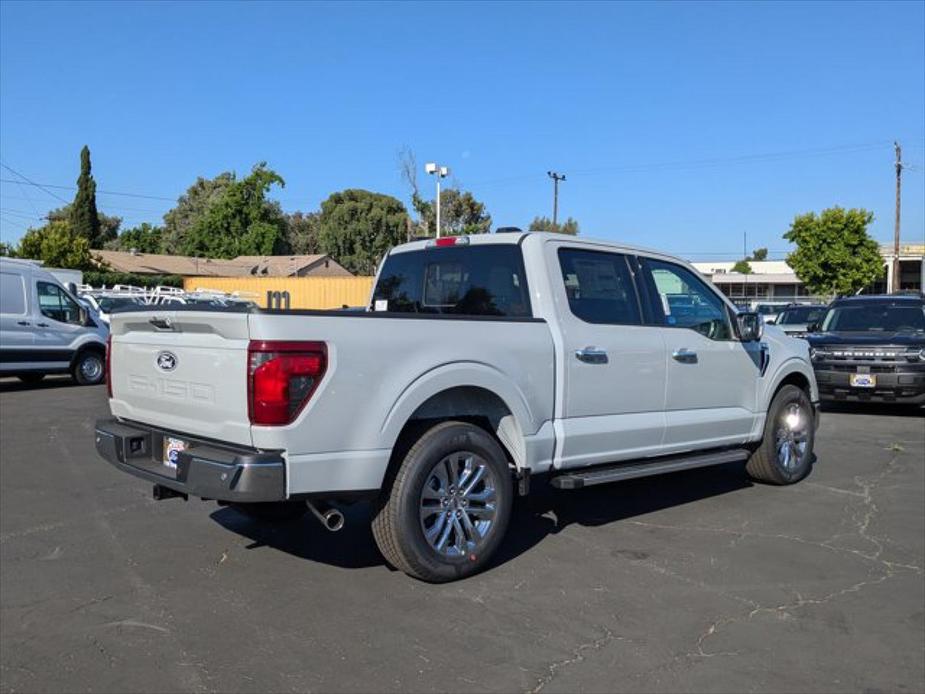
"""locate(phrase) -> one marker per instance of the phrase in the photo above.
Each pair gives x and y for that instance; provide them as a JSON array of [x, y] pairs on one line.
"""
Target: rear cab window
[[471, 280]]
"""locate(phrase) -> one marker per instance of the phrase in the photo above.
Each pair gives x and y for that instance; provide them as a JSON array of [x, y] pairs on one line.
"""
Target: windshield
[[880, 317], [801, 315], [108, 303], [767, 309]]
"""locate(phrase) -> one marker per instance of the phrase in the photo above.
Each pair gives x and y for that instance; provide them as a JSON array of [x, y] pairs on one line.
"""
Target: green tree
[[743, 267], [302, 233], [109, 226], [239, 221], [357, 227], [57, 245], [85, 219], [144, 238], [460, 214], [834, 253], [191, 207], [760, 254], [6, 250], [569, 226]]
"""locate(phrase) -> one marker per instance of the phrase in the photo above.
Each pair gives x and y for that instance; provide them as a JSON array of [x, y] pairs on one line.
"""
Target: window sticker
[[382, 305]]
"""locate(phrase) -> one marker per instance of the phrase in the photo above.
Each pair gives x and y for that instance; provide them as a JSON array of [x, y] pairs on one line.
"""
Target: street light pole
[[440, 172]]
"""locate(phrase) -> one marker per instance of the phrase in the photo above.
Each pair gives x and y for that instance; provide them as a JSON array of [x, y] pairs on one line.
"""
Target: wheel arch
[[792, 372], [91, 346], [470, 392]]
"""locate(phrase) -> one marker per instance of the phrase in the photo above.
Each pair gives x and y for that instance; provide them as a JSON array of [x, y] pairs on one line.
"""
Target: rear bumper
[[204, 469], [898, 387]]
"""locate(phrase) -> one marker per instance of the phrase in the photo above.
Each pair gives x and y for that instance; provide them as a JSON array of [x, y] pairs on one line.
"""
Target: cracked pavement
[[693, 582]]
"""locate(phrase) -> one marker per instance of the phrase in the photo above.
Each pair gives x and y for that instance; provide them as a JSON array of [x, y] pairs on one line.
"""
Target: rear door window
[[480, 280], [599, 287], [12, 294]]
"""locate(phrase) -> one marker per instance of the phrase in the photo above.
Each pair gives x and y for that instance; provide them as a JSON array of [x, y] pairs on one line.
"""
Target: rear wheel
[[786, 451], [449, 505], [31, 379], [88, 369]]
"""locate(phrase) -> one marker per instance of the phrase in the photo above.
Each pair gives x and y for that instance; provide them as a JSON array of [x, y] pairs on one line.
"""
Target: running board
[[587, 477]]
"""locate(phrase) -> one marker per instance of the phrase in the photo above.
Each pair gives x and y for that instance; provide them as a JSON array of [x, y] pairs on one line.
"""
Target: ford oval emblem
[[166, 361]]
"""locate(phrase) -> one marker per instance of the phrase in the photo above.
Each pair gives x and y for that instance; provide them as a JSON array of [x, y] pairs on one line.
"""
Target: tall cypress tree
[[85, 220]]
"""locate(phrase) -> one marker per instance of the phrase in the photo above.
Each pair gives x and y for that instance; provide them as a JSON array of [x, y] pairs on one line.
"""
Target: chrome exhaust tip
[[332, 519]]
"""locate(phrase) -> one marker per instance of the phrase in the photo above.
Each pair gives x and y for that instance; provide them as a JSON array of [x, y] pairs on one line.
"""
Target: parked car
[[43, 328], [796, 318], [871, 348], [483, 360], [768, 310]]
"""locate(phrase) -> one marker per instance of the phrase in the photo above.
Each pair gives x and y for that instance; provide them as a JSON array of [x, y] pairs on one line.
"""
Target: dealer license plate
[[863, 381], [172, 449]]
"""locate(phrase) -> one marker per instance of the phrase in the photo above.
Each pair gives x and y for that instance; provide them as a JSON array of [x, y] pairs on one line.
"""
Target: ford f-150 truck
[[480, 362]]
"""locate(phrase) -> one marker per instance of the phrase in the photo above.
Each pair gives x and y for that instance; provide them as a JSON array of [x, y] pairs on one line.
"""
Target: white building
[[774, 280]]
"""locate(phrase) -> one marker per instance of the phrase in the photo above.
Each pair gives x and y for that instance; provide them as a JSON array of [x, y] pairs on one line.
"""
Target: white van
[[44, 330]]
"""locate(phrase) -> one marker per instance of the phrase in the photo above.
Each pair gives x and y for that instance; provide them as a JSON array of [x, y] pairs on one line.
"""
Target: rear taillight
[[109, 364], [281, 377]]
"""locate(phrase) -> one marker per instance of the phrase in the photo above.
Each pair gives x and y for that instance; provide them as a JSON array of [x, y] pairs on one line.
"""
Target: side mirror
[[813, 328], [750, 326], [84, 317]]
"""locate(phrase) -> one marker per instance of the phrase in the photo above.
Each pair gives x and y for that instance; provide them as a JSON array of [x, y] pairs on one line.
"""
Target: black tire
[[764, 464], [89, 367], [274, 511], [397, 522], [31, 379]]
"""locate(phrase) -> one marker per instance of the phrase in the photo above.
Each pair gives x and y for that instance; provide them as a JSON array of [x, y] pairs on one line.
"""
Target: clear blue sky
[[659, 114]]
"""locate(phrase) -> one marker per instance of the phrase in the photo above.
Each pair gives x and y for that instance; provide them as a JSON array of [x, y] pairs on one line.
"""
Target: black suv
[[871, 348]]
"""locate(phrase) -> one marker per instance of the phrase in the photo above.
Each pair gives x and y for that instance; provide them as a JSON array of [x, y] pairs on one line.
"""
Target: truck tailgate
[[185, 371]]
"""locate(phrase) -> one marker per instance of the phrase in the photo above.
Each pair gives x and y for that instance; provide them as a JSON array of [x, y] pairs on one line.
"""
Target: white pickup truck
[[481, 361]]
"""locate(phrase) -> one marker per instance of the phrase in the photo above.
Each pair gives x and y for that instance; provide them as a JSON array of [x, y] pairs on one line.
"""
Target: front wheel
[[785, 454], [448, 506], [88, 369]]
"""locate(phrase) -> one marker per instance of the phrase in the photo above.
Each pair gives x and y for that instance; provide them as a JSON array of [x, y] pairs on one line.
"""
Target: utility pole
[[556, 177], [899, 175], [745, 255]]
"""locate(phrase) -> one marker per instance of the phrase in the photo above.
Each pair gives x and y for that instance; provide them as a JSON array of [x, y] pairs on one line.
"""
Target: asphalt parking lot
[[698, 581]]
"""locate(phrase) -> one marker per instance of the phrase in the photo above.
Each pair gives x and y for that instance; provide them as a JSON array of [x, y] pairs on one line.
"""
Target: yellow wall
[[304, 292]]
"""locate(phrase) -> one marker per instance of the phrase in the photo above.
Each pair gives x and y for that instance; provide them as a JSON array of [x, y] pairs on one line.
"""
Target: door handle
[[41, 325], [592, 355], [22, 322], [685, 356]]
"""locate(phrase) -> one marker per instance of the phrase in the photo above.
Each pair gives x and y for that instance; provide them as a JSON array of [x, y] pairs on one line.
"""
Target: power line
[[30, 182], [103, 206], [99, 192], [14, 222], [708, 163], [20, 213]]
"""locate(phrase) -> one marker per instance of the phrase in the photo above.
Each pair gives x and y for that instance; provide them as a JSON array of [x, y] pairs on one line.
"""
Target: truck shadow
[[874, 408], [546, 511]]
